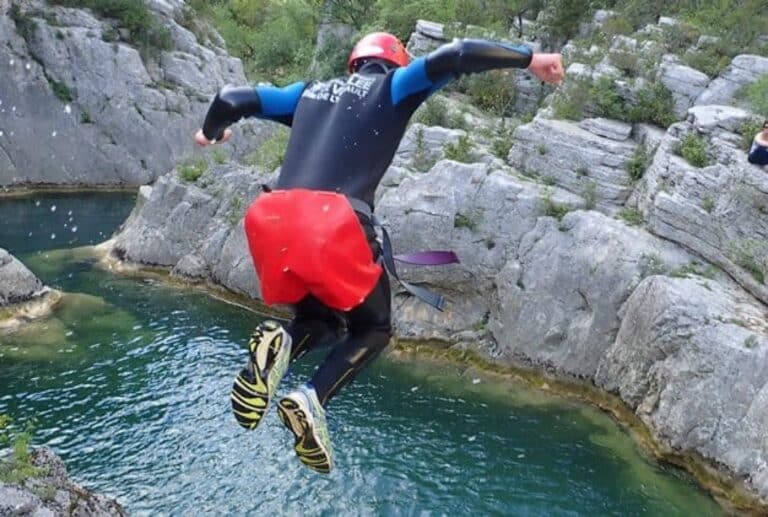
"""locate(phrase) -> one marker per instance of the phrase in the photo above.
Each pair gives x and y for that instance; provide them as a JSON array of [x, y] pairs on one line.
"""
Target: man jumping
[[312, 238]]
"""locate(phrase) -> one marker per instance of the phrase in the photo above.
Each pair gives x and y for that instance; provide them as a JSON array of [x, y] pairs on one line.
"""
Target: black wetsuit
[[344, 135]]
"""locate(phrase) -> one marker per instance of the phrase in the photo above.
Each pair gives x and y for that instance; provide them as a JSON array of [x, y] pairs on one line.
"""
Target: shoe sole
[[308, 447], [250, 399]]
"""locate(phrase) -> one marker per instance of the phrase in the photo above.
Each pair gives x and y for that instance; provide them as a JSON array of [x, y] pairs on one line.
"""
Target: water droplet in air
[[67, 109], [74, 229], [471, 438], [1, 133], [53, 134], [11, 62], [53, 236], [53, 208], [475, 381], [37, 203], [27, 66]]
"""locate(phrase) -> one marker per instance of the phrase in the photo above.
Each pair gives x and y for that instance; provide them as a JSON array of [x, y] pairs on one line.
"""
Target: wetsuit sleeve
[[233, 103], [467, 56]]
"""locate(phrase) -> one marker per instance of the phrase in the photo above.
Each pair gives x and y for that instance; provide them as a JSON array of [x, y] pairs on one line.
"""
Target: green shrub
[[748, 130], [625, 60], [708, 204], [637, 165], [191, 170], [553, 208], [711, 59], [144, 30], [590, 195], [25, 25], [756, 94], [654, 105], [617, 25], [631, 216], [679, 37], [269, 156], [461, 151], [750, 255], [219, 156], [421, 160], [60, 89], [694, 149], [493, 91], [18, 468], [607, 100], [570, 102], [434, 112], [651, 264], [468, 221], [501, 147]]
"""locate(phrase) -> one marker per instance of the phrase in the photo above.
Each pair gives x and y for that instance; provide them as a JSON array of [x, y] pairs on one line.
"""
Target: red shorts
[[310, 242]]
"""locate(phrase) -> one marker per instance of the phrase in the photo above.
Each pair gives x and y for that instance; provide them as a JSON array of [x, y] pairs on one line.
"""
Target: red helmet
[[381, 45]]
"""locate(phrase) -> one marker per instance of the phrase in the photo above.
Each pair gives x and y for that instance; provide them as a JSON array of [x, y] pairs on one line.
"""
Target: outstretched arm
[[233, 103], [471, 56]]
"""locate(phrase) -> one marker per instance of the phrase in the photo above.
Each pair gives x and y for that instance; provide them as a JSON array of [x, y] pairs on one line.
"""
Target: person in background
[[758, 153], [312, 238]]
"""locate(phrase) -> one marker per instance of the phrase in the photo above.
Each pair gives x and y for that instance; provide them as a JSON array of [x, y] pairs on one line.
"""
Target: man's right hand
[[202, 141], [547, 67]]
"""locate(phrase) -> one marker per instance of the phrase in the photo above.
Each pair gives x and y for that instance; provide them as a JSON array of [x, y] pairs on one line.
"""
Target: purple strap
[[428, 258]]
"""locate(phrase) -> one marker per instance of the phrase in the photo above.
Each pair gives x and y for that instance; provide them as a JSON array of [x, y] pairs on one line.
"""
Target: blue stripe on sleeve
[[411, 79], [278, 102]]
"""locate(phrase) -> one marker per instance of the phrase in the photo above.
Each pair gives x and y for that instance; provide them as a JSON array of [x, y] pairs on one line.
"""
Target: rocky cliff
[[644, 279], [81, 102], [51, 492]]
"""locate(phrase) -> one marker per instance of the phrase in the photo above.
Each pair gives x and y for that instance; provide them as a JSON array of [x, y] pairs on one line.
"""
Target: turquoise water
[[129, 381]]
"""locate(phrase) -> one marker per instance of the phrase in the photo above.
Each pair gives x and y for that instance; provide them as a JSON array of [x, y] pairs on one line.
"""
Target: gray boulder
[[53, 493], [17, 283], [743, 70], [103, 111], [576, 158], [195, 229], [559, 298], [685, 83], [717, 211], [690, 358]]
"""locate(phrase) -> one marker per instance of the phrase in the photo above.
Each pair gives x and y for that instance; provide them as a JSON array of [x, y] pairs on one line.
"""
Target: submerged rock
[[53, 493], [17, 283]]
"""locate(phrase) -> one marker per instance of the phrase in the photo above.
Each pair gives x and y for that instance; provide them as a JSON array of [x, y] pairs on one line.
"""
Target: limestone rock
[[574, 158], [103, 111], [690, 358], [558, 302], [743, 70], [611, 129], [61, 496], [17, 283], [685, 83], [717, 211]]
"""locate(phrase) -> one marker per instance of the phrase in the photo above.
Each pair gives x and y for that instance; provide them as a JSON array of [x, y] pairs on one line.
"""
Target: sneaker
[[270, 353], [301, 412]]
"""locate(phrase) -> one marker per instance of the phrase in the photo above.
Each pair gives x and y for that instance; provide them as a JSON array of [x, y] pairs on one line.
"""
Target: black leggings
[[356, 337]]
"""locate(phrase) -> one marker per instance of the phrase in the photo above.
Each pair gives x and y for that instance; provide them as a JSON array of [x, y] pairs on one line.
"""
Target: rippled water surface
[[129, 381]]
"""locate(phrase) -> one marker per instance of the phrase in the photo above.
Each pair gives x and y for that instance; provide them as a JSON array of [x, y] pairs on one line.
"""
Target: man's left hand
[[547, 67]]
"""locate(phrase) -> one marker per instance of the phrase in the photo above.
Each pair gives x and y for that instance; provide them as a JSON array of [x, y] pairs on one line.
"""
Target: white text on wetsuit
[[331, 91]]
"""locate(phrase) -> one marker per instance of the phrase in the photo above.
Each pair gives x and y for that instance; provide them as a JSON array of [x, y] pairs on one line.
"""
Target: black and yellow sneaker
[[301, 412], [270, 353]]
